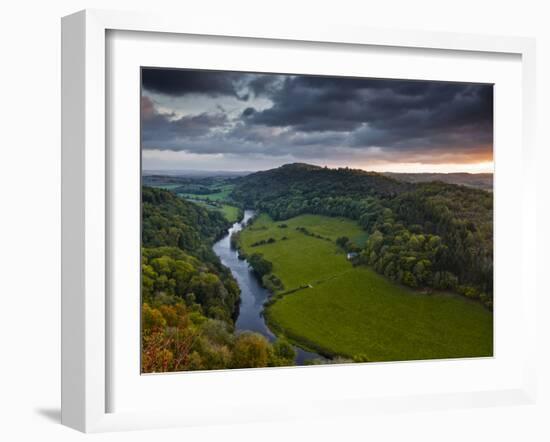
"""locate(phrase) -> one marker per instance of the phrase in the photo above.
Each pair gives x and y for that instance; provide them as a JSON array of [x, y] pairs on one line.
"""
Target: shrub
[[260, 265], [283, 354]]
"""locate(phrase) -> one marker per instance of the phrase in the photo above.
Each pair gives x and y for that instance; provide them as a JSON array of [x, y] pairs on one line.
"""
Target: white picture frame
[[86, 206]]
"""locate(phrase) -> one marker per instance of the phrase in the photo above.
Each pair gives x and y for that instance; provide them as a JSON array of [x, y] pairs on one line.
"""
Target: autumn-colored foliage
[[177, 338]]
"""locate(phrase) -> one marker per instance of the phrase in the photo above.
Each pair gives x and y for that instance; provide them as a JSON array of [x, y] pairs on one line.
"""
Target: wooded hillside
[[425, 235]]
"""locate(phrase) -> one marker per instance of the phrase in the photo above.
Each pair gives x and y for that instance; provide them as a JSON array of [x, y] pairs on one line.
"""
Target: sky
[[217, 120]]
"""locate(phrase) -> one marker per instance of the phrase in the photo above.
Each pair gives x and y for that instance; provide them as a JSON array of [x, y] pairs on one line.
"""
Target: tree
[[375, 241], [342, 241], [151, 319], [260, 265], [409, 279], [422, 272], [251, 350], [283, 354]]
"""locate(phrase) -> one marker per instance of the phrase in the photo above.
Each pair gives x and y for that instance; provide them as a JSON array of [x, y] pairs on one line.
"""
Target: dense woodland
[[189, 299], [424, 235]]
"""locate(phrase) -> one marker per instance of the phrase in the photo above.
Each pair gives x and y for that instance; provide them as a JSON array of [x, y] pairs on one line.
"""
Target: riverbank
[[253, 295]]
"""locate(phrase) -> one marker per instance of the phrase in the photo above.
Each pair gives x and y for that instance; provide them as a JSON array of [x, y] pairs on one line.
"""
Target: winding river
[[253, 295]]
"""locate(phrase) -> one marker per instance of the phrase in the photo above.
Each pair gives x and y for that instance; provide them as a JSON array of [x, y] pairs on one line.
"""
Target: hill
[[305, 181], [433, 234], [172, 221], [477, 180], [177, 256]]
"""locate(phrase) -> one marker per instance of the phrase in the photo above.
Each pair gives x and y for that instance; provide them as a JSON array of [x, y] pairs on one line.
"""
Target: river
[[253, 295]]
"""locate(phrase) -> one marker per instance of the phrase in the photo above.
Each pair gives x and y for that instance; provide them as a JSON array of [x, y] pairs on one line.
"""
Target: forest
[[189, 299]]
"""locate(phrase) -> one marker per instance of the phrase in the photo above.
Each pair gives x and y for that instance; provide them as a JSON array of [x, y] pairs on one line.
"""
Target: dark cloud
[[450, 116], [248, 112], [178, 82], [182, 82], [311, 116], [317, 104], [158, 128], [264, 84]]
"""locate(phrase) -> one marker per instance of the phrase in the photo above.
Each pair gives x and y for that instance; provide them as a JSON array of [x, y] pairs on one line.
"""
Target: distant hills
[[191, 173], [478, 180]]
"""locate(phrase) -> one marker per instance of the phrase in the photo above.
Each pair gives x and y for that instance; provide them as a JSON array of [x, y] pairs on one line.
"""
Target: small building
[[352, 255]]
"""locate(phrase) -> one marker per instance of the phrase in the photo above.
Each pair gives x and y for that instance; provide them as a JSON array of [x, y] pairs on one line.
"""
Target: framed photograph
[[279, 223]]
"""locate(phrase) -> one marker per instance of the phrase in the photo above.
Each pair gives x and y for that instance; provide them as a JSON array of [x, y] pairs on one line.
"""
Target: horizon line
[[394, 171]]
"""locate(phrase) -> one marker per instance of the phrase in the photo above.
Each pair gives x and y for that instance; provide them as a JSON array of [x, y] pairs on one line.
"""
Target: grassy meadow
[[301, 259], [211, 201], [231, 213], [339, 309], [221, 194], [165, 186]]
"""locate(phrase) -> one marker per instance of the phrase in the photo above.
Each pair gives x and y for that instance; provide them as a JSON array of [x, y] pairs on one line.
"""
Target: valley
[[308, 265]]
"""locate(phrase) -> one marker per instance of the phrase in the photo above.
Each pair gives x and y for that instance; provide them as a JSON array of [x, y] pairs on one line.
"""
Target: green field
[[221, 194], [215, 201], [353, 311], [167, 186], [301, 259], [231, 213]]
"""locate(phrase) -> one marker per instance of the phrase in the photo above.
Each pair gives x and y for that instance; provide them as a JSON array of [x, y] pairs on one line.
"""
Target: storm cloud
[[183, 82], [310, 118]]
